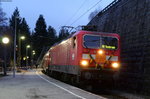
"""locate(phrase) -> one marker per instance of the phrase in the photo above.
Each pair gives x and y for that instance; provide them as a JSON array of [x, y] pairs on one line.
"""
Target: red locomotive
[[86, 55]]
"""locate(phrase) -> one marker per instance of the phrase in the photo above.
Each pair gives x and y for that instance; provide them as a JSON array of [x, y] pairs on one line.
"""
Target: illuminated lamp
[[100, 52], [115, 65], [84, 63]]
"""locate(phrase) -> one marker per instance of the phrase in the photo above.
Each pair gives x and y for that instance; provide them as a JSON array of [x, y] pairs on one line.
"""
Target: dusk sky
[[57, 13]]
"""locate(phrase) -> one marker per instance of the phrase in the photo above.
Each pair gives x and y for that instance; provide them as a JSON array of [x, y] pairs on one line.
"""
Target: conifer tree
[[24, 29], [15, 18], [40, 28], [64, 33], [2, 18], [40, 36], [52, 38], [21, 27]]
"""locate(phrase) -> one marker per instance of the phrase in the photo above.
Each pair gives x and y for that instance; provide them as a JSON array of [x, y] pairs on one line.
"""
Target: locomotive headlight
[[84, 63], [115, 65], [100, 52]]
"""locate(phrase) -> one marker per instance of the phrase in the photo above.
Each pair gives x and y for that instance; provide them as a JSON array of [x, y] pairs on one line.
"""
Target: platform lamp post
[[5, 41], [14, 67], [33, 53], [20, 57], [27, 57]]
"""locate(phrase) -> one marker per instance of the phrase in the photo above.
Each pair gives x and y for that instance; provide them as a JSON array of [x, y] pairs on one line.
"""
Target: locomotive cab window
[[96, 42], [74, 42]]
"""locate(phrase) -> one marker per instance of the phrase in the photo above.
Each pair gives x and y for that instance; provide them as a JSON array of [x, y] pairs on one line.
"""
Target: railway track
[[102, 90]]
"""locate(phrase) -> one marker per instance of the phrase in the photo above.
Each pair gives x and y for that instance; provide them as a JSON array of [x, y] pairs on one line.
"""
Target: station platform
[[33, 84]]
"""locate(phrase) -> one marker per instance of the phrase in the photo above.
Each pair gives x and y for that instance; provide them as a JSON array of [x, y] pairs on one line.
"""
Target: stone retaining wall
[[130, 19]]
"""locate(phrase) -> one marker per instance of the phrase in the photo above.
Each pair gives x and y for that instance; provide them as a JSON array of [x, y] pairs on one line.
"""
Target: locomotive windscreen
[[96, 42]]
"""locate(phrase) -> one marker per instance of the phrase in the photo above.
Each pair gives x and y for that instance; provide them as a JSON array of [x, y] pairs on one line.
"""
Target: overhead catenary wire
[[85, 12], [75, 13]]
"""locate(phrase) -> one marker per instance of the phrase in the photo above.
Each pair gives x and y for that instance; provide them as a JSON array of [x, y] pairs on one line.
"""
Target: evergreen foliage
[[15, 18], [51, 35], [39, 38], [64, 33], [42, 37], [40, 29], [2, 18], [22, 29]]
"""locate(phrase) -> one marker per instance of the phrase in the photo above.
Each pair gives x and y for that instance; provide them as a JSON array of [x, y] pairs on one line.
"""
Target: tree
[[4, 31], [64, 33], [40, 28], [15, 18], [39, 38], [24, 29], [94, 13], [52, 38], [2, 18]]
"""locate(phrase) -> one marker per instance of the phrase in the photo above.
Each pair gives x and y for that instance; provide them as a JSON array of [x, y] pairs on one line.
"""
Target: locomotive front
[[100, 56]]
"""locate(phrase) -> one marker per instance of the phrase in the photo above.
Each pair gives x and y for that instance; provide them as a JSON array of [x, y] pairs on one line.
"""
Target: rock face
[[131, 20]]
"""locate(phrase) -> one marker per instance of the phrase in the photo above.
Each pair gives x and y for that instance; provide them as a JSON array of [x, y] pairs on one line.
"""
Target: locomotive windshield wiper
[[107, 43], [98, 41], [97, 65]]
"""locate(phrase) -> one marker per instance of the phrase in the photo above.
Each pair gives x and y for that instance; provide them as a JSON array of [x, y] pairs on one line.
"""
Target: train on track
[[84, 56]]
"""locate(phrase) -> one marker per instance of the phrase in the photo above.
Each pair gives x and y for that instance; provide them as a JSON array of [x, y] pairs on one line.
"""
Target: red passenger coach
[[86, 55]]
